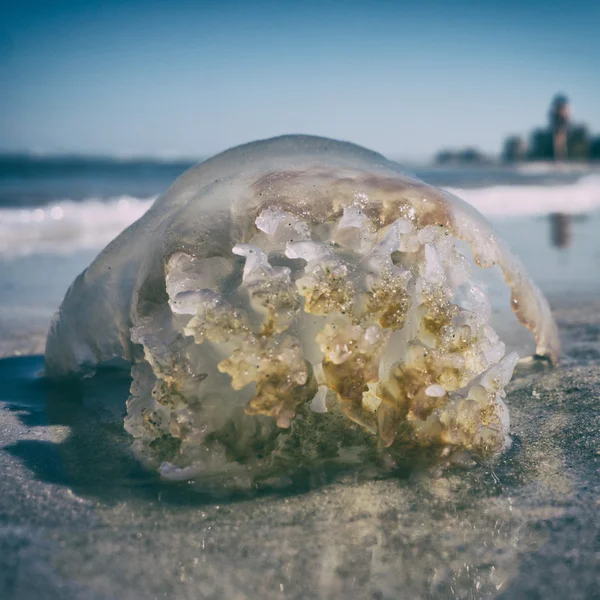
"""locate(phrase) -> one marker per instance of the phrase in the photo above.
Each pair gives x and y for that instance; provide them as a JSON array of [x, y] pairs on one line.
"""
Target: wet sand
[[523, 526], [80, 520]]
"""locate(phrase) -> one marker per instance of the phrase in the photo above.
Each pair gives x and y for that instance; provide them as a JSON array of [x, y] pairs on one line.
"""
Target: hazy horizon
[[181, 80]]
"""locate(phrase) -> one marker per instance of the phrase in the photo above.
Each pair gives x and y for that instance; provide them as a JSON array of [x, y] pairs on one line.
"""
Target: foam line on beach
[[582, 196], [65, 226]]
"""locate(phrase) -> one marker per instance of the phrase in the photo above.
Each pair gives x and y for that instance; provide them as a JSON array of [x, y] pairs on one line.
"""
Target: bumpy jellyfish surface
[[301, 299]]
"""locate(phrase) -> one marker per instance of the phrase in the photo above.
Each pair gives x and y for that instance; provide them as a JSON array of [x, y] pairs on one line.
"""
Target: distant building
[[560, 117], [541, 146], [515, 149], [561, 140], [578, 142], [595, 148]]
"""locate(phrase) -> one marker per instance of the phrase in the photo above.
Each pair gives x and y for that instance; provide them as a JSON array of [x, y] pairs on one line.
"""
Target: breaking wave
[[68, 226], [583, 196]]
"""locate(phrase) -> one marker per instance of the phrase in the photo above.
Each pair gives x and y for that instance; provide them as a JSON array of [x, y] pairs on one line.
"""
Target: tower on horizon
[[560, 118]]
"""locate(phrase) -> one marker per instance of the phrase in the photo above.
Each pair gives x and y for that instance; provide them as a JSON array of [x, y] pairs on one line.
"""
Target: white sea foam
[[583, 196], [66, 226], [552, 168]]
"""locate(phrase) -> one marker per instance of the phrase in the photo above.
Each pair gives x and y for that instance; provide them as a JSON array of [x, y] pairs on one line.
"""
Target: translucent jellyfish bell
[[295, 284]]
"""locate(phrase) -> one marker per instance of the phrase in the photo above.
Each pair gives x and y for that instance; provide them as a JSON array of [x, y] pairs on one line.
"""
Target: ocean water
[[52, 205], [57, 213], [78, 520]]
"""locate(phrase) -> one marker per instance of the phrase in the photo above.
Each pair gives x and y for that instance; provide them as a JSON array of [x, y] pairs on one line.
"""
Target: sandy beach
[[299, 300], [78, 523], [81, 520]]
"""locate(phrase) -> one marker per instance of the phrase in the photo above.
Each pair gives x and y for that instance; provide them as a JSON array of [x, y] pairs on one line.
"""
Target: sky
[[174, 78]]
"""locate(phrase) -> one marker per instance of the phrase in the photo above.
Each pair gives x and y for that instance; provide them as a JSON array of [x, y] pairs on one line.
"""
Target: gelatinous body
[[295, 279]]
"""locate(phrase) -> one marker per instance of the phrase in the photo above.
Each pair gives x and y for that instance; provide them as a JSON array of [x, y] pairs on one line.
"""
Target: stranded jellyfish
[[297, 299]]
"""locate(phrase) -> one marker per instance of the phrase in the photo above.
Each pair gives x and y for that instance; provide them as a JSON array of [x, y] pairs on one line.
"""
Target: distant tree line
[[464, 156], [560, 140], [581, 145]]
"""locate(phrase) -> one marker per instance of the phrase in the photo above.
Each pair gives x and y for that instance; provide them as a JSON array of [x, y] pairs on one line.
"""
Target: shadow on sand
[[94, 458]]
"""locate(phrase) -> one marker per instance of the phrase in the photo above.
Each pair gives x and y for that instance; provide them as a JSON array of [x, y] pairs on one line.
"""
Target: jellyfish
[[301, 290]]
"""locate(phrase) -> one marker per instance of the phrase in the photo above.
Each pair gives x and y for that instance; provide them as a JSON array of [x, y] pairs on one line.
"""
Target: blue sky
[[192, 78]]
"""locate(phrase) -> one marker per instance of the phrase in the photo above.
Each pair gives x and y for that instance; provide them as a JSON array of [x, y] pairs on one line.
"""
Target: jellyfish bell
[[299, 283]]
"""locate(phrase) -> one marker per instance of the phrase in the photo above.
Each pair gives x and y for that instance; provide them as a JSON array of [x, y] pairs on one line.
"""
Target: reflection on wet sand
[[560, 230]]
